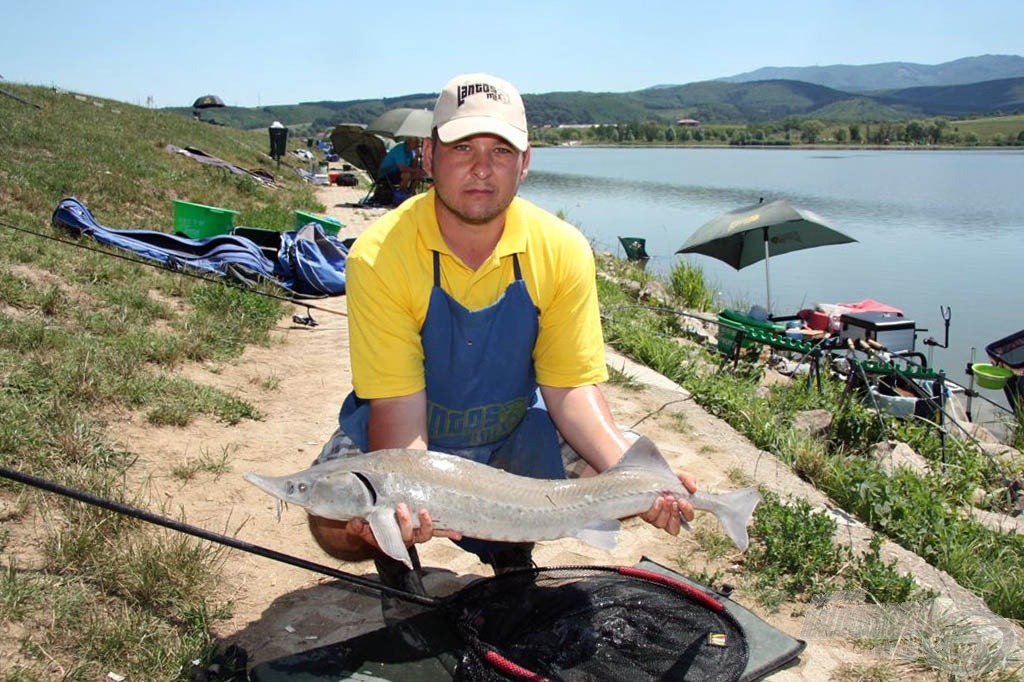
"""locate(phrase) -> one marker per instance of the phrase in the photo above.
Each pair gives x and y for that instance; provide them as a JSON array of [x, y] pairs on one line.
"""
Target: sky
[[261, 53]]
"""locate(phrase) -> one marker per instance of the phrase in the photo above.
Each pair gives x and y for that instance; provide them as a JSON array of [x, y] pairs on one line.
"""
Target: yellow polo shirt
[[389, 274]]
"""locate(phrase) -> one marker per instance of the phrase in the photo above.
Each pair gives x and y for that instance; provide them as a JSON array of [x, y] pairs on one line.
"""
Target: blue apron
[[482, 397]]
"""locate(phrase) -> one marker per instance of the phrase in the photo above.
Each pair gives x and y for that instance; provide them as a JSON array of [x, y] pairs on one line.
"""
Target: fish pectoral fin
[[603, 534], [389, 535]]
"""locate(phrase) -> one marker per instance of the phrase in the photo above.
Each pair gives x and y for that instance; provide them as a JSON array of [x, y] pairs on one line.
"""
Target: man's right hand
[[354, 541]]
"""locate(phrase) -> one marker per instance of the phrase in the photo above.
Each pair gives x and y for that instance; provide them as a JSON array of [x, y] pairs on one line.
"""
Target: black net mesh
[[595, 624]]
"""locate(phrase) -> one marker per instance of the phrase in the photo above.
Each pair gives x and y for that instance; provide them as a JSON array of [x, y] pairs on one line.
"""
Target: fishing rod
[[204, 534], [307, 320]]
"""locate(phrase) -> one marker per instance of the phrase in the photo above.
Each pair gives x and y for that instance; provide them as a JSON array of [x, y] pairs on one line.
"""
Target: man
[[400, 166], [462, 303]]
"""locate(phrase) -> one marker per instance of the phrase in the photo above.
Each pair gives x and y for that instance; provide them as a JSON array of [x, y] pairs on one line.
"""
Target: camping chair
[[365, 151], [382, 191], [635, 251]]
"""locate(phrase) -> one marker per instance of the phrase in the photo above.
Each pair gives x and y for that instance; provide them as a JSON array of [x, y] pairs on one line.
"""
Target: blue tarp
[[308, 262]]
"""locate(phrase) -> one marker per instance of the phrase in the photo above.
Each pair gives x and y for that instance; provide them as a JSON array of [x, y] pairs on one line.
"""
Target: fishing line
[[186, 272], [204, 534]]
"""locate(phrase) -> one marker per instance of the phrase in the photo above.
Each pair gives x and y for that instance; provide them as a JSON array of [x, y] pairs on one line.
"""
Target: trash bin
[[278, 140]]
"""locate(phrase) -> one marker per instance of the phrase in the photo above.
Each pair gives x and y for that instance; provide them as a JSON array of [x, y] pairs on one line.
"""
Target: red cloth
[[870, 305]]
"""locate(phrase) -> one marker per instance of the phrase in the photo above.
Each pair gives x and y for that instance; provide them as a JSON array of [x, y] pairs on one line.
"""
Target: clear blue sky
[[260, 53]]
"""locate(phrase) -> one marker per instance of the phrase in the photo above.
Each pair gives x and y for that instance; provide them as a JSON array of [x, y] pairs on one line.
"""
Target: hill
[[1005, 95], [983, 85], [893, 75]]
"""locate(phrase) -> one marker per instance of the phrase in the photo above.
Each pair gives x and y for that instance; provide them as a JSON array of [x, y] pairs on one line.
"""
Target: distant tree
[[670, 134], [916, 133], [651, 131], [810, 131], [840, 135], [854, 132], [936, 129]]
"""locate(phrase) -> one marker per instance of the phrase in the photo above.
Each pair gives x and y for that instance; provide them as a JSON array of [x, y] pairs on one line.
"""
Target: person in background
[[474, 330], [401, 166]]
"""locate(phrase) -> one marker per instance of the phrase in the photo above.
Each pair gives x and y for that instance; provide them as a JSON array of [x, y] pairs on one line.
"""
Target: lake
[[933, 228]]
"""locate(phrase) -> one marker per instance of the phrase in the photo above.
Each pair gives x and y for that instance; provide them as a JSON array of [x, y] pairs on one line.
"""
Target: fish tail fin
[[733, 512]]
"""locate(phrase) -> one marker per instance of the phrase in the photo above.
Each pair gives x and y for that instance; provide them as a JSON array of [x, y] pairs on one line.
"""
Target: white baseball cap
[[476, 103]]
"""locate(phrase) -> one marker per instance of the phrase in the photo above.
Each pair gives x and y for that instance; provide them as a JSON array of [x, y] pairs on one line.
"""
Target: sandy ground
[[299, 382]]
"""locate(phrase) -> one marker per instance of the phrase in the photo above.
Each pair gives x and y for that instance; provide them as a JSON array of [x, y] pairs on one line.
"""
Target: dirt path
[[299, 382]]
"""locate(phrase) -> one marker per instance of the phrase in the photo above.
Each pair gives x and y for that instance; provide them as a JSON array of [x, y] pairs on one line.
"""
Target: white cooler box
[[889, 329]]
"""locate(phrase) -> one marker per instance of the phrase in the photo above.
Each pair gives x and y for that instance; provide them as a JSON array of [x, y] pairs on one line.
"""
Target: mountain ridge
[[724, 100], [893, 75]]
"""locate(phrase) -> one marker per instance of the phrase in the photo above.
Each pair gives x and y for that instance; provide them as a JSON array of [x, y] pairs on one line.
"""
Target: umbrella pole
[[767, 275]]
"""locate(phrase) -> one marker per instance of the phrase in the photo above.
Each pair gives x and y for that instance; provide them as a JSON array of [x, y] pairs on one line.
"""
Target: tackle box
[[895, 333]]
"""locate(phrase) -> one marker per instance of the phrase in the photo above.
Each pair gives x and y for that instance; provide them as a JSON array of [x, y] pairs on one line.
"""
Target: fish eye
[[302, 487]]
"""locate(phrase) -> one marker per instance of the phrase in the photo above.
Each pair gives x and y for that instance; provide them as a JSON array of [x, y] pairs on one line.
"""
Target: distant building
[[578, 126], [688, 122]]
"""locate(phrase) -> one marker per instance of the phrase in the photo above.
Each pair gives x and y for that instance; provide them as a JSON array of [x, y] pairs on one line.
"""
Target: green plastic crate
[[197, 221], [330, 225]]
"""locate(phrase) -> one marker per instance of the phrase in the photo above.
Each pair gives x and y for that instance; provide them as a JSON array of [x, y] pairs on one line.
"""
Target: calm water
[[932, 228]]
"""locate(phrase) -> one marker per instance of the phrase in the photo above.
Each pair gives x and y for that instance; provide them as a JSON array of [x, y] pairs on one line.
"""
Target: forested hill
[[719, 101]]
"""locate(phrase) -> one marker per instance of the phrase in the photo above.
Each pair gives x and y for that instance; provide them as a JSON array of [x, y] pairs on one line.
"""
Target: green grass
[[85, 335], [1007, 127]]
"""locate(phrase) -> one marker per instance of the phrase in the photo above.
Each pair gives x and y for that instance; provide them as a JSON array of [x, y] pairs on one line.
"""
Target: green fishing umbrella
[[747, 235]]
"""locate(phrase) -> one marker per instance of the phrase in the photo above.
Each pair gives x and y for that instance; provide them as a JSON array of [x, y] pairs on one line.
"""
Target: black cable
[[182, 527]]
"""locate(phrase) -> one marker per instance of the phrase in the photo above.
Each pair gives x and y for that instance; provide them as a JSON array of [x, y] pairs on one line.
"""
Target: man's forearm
[[582, 416]]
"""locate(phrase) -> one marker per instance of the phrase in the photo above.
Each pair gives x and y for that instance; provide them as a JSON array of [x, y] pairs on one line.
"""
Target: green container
[[330, 225], [991, 376], [197, 221]]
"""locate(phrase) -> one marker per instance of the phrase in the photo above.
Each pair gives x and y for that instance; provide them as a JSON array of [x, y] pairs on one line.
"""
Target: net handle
[[510, 668], [689, 590]]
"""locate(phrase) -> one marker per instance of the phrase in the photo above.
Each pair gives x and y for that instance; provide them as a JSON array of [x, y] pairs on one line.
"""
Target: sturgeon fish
[[483, 502]]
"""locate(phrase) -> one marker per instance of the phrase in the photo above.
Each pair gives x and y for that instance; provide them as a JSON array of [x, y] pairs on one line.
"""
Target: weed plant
[[796, 557]]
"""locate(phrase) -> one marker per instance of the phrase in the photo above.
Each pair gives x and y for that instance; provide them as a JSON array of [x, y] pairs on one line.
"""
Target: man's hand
[[667, 512], [353, 540], [411, 535]]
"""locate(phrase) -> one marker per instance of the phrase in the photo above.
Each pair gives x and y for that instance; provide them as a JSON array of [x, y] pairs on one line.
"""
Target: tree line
[[784, 132]]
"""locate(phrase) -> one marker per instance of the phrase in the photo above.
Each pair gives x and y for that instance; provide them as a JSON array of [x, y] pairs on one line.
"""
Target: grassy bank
[[85, 339], [925, 513]]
